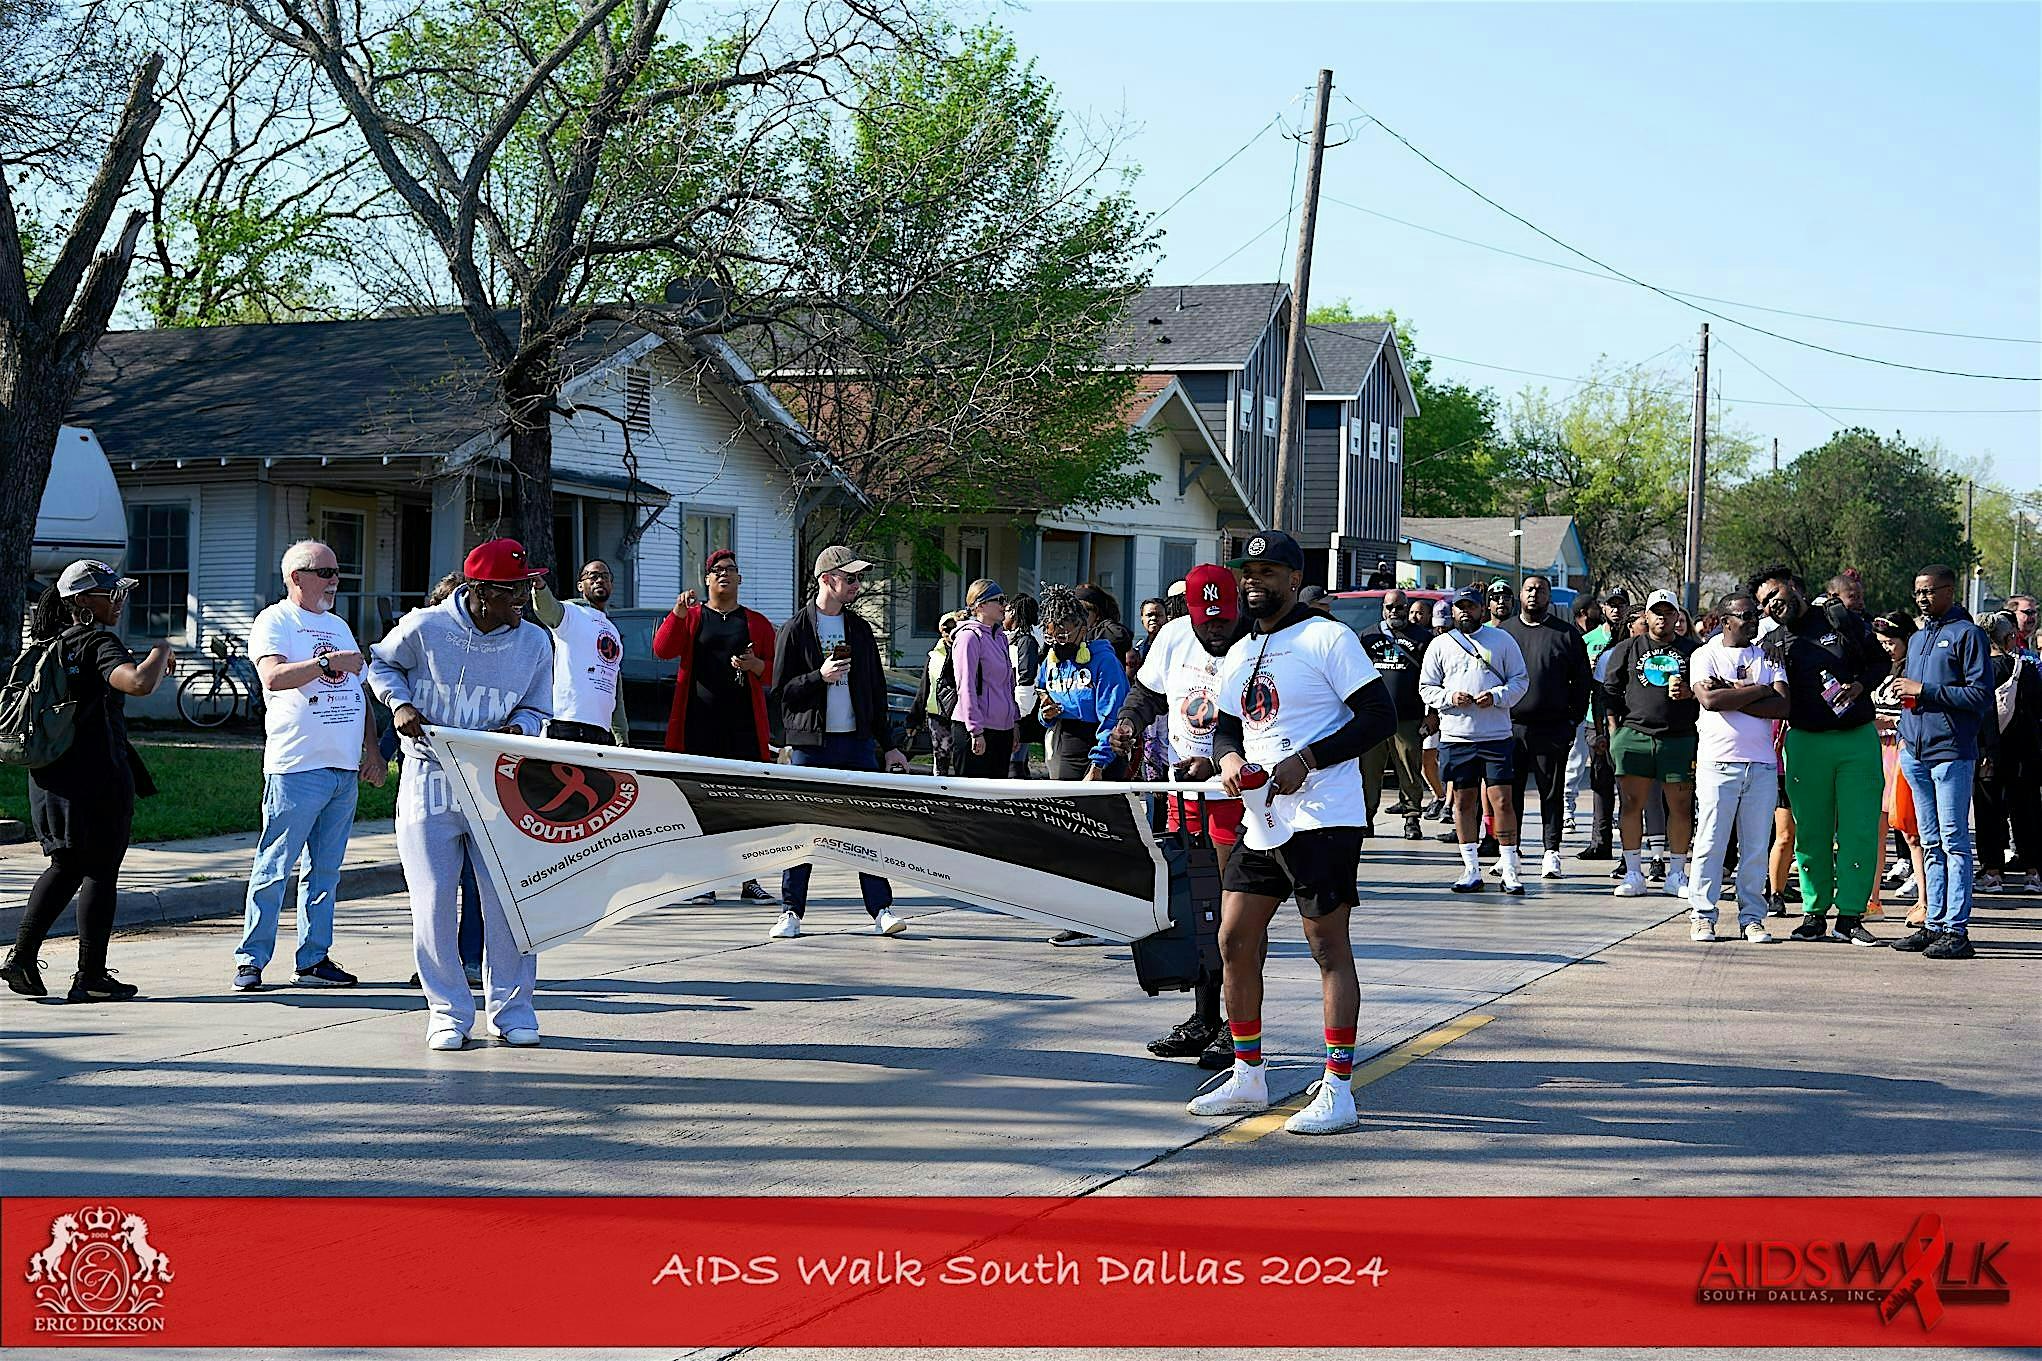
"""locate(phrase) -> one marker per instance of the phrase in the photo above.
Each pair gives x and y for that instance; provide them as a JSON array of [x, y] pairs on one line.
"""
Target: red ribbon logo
[[573, 780], [1917, 1284]]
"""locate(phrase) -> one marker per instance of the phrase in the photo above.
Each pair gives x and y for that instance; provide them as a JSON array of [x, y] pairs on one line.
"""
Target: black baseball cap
[[1271, 545]]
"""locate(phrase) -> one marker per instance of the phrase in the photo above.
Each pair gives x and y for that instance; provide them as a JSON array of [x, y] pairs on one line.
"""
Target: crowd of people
[[1767, 751]]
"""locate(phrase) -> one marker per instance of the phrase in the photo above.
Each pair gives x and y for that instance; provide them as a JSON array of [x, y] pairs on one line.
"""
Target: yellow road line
[[1381, 1066]]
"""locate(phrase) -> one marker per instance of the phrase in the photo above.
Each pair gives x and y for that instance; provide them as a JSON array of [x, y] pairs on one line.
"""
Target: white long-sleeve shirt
[[1485, 662]]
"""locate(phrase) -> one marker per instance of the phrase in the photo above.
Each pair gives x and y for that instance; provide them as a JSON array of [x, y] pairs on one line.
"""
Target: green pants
[[1406, 747], [1834, 783]]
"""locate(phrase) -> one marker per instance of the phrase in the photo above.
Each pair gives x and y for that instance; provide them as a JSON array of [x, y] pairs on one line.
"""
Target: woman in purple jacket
[[982, 731]]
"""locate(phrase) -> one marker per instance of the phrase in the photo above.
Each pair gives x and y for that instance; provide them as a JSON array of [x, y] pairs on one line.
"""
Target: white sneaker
[[1907, 889], [520, 1036], [1331, 1111], [787, 928], [1245, 1091], [886, 924], [1630, 886], [1758, 935], [1549, 867], [445, 1039], [1675, 885], [1702, 931]]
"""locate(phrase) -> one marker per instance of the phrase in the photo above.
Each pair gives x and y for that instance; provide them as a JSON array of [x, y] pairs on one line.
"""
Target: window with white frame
[[703, 533], [1269, 415], [971, 560], [1375, 439], [1396, 444], [1354, 437], [159, 559], [1247, 407]]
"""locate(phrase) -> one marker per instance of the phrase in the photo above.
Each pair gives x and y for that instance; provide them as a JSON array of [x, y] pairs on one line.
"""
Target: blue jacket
[[1952, 658], [1089, 688]]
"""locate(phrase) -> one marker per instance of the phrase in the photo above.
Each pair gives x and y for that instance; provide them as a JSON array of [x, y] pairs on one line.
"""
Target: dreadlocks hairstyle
[[1026, 615], [50, 616], [1059, 603]]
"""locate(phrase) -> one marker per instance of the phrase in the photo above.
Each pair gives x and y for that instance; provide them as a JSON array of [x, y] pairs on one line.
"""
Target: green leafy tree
[[986, 264], [1614, 454], [1858, 500]]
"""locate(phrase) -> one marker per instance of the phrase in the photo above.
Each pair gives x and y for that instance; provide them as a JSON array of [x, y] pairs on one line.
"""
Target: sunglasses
[[323, 573], [506, 588], [1740, 614]]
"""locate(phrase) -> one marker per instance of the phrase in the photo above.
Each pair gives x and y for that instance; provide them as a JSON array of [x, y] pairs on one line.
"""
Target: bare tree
[[550, 153], [48, 331]]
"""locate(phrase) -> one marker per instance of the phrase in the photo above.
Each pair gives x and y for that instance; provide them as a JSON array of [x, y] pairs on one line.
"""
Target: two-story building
[[1353, 502]]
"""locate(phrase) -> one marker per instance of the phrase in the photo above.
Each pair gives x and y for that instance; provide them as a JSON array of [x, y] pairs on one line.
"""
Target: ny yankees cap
[[1212, 593], [1271, 545]]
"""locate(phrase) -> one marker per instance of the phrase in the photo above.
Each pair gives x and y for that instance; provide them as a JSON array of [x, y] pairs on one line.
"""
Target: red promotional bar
[[1097, 1271]]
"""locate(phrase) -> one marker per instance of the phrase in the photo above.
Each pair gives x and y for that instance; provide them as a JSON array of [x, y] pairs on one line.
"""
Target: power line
[[1681, 292], [1777, 383], [1674, 297], [1260, 133], [1279, 220], [1741, 401]]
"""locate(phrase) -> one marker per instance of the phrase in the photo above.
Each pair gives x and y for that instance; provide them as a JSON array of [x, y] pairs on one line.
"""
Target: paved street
[[685, 1054]]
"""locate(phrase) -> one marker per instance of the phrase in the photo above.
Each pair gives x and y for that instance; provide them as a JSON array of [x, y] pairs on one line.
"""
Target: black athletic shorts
[[1492, 761], [1319, 866]]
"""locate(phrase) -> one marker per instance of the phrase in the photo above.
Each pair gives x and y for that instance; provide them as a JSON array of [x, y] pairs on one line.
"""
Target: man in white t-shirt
[[1740, 688], [588, 657], [1299, 702], [319, 742]]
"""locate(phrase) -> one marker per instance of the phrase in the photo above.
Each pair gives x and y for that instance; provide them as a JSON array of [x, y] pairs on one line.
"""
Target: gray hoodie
[[457, 676]]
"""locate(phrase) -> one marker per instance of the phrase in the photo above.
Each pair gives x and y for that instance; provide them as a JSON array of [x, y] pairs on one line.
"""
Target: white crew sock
[[1471, 857], [1631, 868], [1513, 865], [1677, 864]]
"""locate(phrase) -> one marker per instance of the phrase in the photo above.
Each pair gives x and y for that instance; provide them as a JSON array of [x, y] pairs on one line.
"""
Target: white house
[[382, 437]]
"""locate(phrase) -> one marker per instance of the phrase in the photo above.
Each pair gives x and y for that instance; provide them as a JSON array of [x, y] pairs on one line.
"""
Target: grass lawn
[[201, 791]]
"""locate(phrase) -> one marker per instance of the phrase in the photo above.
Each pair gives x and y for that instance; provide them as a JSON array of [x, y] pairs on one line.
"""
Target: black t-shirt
[[1398, 654], [1824, 651], [720, 709], [1635, 676]]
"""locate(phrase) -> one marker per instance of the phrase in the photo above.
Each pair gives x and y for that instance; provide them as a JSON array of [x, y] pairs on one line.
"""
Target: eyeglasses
[[595, 576], [1740, 614], [323, 573], [513, 588]]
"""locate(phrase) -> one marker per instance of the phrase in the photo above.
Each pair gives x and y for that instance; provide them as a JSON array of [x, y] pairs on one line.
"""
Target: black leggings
[[991, 766], [90, 876]]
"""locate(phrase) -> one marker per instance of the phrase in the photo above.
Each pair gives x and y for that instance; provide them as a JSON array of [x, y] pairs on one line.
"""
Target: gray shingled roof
[[1346, 351], [1489, 536], [344, 389], [1181, 325]]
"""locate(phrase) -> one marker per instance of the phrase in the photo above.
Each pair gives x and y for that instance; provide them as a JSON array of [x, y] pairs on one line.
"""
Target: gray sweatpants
[[432, 837]]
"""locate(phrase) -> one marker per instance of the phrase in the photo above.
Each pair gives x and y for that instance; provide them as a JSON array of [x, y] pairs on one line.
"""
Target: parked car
[[1363, 610], [649, 688]]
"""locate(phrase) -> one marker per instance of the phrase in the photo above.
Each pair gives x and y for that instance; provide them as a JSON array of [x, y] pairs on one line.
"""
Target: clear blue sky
[[1874, 162]]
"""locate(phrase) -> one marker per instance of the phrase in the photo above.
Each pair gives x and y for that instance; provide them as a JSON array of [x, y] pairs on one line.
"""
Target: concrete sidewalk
[[181, 881]]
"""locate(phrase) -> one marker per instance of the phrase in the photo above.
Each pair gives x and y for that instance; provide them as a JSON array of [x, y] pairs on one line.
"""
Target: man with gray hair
[[319, 741]]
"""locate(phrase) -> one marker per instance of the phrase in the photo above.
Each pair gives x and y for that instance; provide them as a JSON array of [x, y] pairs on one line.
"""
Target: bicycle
[[207, 699]]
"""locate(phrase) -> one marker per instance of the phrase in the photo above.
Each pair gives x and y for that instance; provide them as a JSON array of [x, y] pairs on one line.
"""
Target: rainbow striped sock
[[1248, 1041], [1340, 1053]]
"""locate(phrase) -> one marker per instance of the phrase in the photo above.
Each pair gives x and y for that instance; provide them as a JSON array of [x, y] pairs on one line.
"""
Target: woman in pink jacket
[[986, 716]]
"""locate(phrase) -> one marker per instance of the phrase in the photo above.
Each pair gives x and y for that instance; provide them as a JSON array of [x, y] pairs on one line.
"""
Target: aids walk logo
[[100, 1276], [1918, 1274], [557, 802]]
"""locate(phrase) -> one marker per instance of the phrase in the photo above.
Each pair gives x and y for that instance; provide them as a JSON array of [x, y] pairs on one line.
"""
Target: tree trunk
[[28, 436], [531, 459]]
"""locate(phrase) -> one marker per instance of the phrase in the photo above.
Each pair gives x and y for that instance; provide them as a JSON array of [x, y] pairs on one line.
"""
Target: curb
[[139, 909]]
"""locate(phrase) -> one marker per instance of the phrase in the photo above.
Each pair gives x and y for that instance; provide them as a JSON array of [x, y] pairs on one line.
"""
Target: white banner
[[574, 836]]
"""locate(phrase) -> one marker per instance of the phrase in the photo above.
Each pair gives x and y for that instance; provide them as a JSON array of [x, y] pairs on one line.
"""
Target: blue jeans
[[306, 814], [839, 751], [1942, 810]]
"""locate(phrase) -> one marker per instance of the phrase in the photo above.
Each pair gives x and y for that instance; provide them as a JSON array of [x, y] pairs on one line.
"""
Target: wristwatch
[[325, 667]]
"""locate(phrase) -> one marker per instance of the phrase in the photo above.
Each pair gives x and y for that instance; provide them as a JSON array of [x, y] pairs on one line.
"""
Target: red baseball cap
[[1212, 593], [721, 555], [500, 560]]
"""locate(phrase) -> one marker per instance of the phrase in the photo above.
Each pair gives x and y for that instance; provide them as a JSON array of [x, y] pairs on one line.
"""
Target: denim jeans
[[1740, 796], [306, 814], [839, 751], [1942, 810]]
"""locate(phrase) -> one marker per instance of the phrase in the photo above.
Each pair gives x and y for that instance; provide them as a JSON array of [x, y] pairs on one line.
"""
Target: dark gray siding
[[1319, 507], [1376, 485]]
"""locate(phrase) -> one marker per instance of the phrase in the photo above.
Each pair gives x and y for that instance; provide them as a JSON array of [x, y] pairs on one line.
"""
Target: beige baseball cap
[[837, 558]]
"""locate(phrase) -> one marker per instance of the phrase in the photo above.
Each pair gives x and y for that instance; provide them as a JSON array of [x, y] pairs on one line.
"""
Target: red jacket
[[675, 638]]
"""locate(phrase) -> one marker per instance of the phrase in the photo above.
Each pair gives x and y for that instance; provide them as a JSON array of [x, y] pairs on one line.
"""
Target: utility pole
[[1290, 432], [1697, 476], [1776, 453], [1517, 549], [1970, 576], [2014, 568]]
